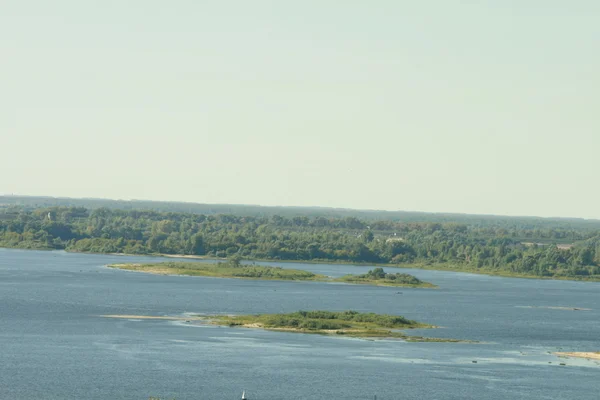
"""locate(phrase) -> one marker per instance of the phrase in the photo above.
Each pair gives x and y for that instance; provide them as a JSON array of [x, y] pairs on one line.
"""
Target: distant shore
[[423, 266]]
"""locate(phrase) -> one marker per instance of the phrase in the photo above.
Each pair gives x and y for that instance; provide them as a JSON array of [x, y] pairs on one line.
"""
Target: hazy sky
[[489, 106]]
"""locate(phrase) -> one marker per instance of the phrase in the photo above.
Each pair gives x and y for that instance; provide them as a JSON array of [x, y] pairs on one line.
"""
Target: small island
[[231, 269], [580, 354], [345, 323], [379, 277], [342, 324], [235, 269]]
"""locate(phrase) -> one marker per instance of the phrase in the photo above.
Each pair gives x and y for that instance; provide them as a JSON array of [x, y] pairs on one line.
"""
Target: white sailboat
[[244, 395]]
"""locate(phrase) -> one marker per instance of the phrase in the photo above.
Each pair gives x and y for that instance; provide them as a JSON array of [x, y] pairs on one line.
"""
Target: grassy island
[[379, 277], [234, 269], [230, 269], [346, 323]]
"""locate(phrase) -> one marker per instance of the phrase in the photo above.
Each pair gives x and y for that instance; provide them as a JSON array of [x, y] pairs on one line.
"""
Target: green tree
[[197, 245]]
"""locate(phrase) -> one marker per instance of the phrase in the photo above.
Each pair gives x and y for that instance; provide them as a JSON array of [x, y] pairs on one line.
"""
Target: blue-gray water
[[53, 345]]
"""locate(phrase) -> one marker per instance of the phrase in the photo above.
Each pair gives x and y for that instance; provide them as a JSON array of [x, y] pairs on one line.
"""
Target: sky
[[487, 107]]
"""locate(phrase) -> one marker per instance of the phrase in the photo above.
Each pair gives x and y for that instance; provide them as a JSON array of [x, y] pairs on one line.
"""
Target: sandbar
[[580, 354]]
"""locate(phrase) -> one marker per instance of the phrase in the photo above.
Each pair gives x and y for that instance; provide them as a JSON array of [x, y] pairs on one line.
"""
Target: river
[[54, 345]]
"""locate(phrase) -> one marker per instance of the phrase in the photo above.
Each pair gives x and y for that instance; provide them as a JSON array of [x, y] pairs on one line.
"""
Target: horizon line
[[366, 210]]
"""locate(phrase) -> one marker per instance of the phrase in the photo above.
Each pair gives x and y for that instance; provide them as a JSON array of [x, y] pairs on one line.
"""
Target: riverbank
[[423, 266], [483, 271]]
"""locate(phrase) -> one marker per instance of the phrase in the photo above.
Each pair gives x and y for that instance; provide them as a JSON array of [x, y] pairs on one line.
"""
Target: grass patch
[[379, 277], [346, 323], [222, 270]]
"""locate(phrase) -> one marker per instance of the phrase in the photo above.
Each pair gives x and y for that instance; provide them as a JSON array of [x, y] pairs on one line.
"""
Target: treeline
[[528, 223], [316, 320], [527, 250], [379, 274]]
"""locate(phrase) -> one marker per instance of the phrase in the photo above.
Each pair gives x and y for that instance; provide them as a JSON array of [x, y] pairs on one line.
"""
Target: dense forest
[[509, 247]]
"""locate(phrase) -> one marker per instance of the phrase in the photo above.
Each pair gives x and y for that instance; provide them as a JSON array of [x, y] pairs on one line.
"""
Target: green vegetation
[[347, 323], [222, 270], [548, 228], [379, 277], [526, 247]]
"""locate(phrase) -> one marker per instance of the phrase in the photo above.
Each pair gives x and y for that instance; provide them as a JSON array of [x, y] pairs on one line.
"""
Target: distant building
[[394, 239], [565, 246], [558, 246]]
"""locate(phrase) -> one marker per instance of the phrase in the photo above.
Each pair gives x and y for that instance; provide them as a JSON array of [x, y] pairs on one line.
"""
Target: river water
[[54, 345]]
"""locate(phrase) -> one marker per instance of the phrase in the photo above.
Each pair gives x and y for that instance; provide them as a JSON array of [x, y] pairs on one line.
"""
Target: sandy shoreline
[[152, 317], [588, 355], [136, 268]]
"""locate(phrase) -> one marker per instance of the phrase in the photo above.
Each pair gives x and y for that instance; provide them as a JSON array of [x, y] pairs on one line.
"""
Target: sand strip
[[152, 317], [588, 355]]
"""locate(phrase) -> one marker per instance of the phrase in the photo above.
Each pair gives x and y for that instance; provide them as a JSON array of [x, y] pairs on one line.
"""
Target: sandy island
[[580, 354]]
